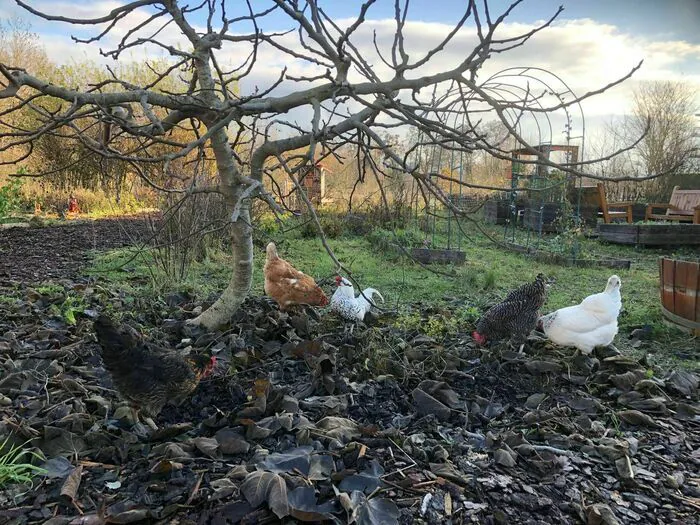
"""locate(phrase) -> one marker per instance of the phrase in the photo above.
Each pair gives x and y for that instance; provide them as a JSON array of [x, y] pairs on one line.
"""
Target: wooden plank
[[553, 258], [684, 289], [669, 235], [667, 284], [661, 279], [679, 322], [619, 233]]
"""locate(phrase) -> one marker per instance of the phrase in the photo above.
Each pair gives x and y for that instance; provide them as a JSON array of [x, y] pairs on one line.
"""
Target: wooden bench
[[592, 199], [624, 209], [683, 206]]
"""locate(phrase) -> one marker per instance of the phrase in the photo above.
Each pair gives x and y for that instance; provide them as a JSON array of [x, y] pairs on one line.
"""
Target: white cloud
[[584, 53]]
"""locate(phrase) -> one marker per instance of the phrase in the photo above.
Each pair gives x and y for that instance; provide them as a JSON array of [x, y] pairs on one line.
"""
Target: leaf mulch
[[303, 422]]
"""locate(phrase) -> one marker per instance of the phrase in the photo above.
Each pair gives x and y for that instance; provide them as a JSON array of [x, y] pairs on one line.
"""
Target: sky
[[592, 43]]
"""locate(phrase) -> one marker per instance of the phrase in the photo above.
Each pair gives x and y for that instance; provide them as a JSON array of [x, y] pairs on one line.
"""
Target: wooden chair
[[683, 206], [608, 207]]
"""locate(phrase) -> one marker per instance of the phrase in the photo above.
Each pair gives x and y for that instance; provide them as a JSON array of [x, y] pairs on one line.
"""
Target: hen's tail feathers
[[366, 299], [114, 341], [369, 293]]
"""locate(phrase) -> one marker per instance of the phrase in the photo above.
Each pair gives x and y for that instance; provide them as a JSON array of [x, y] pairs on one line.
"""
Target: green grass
[[488, 274], [13, 465]]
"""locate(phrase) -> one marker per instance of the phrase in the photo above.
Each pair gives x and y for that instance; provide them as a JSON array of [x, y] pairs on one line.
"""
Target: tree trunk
[[238, 287]]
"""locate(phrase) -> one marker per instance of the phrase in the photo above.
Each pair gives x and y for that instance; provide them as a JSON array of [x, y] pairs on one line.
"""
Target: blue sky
[[667, 19]]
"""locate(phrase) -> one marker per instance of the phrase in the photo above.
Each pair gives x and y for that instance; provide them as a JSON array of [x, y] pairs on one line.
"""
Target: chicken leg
[[147, 419]]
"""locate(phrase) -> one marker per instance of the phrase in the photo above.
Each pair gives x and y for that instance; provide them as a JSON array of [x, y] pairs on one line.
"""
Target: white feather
[[591, 323], [352, 308]]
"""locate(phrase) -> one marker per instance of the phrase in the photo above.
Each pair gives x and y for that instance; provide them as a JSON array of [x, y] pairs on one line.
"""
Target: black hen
[[147, 375], [514, 317]]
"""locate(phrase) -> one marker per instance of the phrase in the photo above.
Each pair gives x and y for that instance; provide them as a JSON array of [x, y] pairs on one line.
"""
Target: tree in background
[[669, 142], [351, 98], [662, 115]]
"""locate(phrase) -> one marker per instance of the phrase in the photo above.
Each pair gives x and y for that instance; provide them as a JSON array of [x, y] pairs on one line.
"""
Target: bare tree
[[350, 98], [668, 107]]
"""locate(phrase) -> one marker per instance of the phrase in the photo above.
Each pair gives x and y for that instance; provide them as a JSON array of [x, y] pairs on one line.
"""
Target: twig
[[195, 489]]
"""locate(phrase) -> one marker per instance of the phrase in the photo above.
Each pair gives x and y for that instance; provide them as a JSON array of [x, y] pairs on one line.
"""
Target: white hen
[[348, 306], [591, 323]]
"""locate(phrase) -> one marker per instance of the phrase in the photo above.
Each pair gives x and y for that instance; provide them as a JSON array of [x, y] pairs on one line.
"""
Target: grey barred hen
[[148, 376], [515, 316]]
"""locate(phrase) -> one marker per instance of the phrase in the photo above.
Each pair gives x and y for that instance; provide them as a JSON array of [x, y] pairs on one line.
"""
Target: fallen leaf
[[543, 367], [58, 467], [374, 511], [600, 514], [208, 446], [366, 481], [303, 505], [635, 417], [266, 487]]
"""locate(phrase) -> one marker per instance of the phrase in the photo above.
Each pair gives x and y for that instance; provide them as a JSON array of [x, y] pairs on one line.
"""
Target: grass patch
[[14, 467]]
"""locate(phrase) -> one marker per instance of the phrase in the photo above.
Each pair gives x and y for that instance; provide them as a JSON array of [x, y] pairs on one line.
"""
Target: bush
[[357, 224], [10, 197], [188, 230], [332, 225], [386, 241]]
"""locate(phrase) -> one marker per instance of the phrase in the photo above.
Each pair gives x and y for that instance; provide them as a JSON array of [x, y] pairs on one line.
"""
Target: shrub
[[187, 231], [357, 224], [386, 241], [10, 197], [332, 225]]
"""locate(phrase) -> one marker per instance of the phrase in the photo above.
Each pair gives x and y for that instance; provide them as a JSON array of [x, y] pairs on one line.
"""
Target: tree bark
[[238, 287]]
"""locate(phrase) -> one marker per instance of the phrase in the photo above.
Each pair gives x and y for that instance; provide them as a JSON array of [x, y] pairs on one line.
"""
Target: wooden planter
[[650, 234], [496, 212], [680, 293], [550, 214]]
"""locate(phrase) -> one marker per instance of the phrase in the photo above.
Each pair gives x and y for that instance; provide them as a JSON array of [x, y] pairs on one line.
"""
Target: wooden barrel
[[680, 293]]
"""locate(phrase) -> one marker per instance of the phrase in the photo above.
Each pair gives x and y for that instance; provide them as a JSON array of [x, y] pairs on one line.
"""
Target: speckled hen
[[515, 316], [349, 307], [148, 376]]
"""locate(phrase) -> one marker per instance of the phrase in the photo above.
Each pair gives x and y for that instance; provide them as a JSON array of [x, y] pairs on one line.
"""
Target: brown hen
[[287, 285], [148, 376]]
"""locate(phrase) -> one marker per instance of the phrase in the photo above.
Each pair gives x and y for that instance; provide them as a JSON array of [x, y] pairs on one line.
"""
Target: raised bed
[[496, 212], [428, 256], [680, 293], [550, 214], [650, 234]]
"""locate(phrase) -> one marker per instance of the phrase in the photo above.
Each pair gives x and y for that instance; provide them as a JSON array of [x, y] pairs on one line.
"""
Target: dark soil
[[34, 255]]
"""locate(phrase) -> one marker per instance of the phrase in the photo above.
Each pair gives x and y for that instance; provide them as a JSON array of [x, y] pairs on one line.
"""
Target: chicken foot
[[147, 419]]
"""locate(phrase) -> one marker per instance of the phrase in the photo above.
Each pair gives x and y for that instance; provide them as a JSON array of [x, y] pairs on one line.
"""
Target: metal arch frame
[[524, 72], [499, 86]]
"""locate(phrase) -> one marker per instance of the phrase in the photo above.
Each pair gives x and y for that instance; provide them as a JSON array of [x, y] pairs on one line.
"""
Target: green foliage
[[10, 196], [71, 305], [331, 223], [385, 240], [441, 324], [14, 467], [490, 279]]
